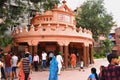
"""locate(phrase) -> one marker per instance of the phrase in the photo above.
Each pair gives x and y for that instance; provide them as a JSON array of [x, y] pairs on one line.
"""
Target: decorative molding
[[60, 43]]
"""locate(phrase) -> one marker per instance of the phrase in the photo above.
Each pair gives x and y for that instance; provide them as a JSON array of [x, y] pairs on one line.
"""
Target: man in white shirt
[[59, 60], [14, 65], [44, 57], [36, 61]]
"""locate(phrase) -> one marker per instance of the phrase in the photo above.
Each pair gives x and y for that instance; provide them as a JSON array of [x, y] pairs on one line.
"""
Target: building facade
[[55, 30], [116, 48]]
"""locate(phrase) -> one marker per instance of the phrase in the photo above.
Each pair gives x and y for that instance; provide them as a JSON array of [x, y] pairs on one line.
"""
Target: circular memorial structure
[[55, 30]]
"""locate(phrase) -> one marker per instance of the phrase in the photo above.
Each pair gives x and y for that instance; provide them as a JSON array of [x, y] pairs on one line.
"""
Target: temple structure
[[55, 30]]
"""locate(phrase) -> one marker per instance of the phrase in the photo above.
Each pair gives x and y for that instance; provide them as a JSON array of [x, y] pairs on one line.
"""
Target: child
[[93, 75], [81, 64]]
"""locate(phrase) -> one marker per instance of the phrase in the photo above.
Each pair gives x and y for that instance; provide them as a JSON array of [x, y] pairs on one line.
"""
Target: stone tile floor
[[70, 74]]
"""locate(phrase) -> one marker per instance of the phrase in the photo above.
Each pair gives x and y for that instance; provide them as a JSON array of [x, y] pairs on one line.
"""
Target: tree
[[15, 12], [106, 45], [5, 41], [45, 4], [2, 2], [12, 13], [50, 4], [93, 16]]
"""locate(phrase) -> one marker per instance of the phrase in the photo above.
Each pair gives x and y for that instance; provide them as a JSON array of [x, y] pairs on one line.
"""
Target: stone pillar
[[26, 49], [35, 49], [61, 48], [64, 51], [84, 56], [91, 55], [16, 50], [30, 50], [33, 46], [66, 56], [87, 55]]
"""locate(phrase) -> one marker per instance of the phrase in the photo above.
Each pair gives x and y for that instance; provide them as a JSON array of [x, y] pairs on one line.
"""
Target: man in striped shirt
[[26, 66]]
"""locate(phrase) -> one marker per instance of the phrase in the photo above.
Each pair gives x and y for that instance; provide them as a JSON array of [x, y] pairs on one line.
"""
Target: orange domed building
[[55, 30]]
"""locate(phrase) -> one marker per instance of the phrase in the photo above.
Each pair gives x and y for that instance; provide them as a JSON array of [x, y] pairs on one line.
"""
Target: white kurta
[[59, 60]]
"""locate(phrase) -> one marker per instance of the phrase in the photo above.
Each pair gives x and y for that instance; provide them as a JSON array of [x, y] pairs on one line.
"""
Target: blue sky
[[112, 6]]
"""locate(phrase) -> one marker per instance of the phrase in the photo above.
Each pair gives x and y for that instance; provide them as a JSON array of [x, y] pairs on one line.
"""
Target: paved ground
[[71, 74]]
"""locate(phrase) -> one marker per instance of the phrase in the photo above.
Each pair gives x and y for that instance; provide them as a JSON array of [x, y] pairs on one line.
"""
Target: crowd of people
[[9, 62], [9, 65]]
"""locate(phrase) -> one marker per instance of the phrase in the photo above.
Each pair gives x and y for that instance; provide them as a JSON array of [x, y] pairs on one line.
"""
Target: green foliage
[[106, 45], [50, 4], [44, 4], [5, 41], [98, 54], [2, 2], [93, 16], [12, 13]]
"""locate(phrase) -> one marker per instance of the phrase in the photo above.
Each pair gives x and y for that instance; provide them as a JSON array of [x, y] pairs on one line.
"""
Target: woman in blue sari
[[53, 69]]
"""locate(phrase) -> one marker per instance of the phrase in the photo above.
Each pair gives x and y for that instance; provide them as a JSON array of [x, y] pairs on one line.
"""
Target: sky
[[112, 7]]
